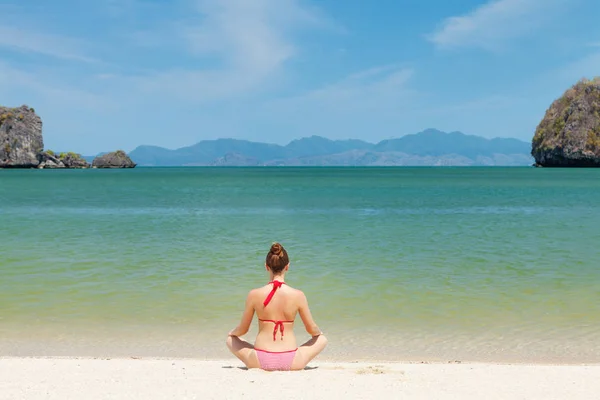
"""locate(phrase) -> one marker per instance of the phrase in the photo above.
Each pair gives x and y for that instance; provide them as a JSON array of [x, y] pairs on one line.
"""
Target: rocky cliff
[[20, 137], [569, 134]]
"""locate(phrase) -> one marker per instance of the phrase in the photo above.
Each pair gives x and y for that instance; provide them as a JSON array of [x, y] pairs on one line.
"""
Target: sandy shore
[[52, 378]]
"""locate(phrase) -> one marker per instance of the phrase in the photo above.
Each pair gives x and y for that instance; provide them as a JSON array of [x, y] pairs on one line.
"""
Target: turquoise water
[[484, 264]]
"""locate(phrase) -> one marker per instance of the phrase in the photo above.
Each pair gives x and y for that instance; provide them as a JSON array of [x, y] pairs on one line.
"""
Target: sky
[[115, 74]]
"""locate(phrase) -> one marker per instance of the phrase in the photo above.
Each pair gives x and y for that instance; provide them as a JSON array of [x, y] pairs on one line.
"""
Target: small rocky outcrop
[[569, 134], [116, 159], [48, 159], [73, 160], [20, 137]]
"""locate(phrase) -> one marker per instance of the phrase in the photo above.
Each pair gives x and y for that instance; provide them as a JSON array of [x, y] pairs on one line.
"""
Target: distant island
[[428, 148]]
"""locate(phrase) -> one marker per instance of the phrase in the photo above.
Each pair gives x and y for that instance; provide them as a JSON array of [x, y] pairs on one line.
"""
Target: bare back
[[278, 316]]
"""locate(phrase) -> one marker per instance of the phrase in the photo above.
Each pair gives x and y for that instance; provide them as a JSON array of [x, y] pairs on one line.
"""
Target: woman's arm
[[247, 316], [309, 324]]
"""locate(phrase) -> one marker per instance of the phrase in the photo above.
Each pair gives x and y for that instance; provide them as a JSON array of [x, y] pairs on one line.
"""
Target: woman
[[276, 305]]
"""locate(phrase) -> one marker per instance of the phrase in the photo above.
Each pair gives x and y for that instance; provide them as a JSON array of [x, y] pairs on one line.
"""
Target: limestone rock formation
[[116, 159], [569, 134], [49, 160], [63, 160], [20, 137]]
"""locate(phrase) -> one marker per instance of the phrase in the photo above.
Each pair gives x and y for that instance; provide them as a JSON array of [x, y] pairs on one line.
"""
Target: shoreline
[[323, 358], [389, 348], [76, 378], [319, 360]]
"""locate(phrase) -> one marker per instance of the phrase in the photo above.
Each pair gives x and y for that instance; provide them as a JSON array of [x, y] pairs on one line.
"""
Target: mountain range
[[428, 148]]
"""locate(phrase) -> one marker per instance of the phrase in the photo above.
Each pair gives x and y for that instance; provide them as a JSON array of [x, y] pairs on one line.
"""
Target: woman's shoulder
[[259, 291], [294, 291]]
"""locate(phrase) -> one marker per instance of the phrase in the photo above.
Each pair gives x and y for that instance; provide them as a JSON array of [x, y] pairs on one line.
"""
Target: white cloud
[[218, 49], [118, 8], [493, 23], [373, 72], [382, 88], [375, 82], [43, 87], [29, 41], [246, 43], [193, 85], [245, 34]]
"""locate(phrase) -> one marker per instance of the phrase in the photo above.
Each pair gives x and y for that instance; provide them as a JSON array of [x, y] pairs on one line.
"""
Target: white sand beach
[[90, 379]]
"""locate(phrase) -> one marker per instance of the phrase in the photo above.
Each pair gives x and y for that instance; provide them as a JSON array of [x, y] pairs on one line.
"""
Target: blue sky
[[114, 74]]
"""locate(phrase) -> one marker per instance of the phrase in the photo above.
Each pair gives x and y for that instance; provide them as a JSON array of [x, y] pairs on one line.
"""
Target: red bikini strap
[[280, 325], [276, 285]]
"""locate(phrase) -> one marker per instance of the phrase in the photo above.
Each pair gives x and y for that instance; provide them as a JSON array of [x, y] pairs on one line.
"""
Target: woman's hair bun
[[277, 258], [276, 249]]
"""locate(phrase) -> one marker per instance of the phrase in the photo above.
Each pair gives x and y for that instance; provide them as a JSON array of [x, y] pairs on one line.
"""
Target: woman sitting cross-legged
[[276, 305]]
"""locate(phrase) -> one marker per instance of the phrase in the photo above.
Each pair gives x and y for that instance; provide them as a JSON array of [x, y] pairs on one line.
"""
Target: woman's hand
[[244, 325]]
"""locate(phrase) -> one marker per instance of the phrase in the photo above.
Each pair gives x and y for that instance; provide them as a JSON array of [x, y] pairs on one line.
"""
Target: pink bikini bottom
[[275, 361]]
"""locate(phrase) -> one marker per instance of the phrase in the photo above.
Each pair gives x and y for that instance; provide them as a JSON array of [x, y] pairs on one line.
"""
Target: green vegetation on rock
[[569, 134], [49, 159]]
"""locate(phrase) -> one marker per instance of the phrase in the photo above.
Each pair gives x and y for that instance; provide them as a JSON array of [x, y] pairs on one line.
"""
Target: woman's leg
[[243, 350], [308, 351]]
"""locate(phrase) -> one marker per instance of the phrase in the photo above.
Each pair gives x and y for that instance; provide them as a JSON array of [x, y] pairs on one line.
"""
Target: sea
[[398, 264]]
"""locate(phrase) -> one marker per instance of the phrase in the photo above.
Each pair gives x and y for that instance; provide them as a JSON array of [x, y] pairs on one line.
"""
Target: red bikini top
[[278, 324]]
